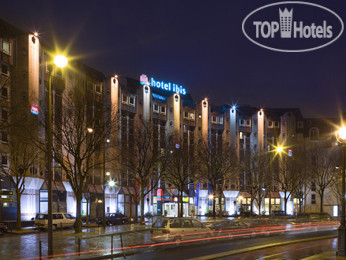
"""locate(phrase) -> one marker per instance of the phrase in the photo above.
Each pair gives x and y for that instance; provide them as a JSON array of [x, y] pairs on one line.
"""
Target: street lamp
[[60, 61], [341, 138]]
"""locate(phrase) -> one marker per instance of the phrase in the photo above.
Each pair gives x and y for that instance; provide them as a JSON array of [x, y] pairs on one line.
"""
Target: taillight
[[165, 231]]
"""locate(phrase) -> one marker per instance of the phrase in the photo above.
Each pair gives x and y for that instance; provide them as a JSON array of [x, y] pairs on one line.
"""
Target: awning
[[33, 183], [273, 195], [67, 186], [99, 189], [45, 186], [244, 194], [59, 186], [231, 193], [203, 193]]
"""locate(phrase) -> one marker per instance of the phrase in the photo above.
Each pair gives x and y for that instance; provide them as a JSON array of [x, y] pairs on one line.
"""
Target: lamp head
[[60, 61]]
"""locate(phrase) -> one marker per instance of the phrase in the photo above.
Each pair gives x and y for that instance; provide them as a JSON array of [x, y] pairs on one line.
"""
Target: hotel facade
[[175, 117]]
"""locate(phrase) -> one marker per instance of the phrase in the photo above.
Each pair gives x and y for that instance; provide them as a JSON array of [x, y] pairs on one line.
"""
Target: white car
[[178, 229], [60, 220]]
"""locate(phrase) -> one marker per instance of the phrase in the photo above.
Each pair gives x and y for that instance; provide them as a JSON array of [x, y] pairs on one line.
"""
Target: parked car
[[177, 229], [3, 228], [60, 220], [229, 225], [114, 218]]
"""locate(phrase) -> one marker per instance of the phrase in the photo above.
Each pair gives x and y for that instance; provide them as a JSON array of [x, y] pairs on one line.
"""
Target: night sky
[[197, 44]]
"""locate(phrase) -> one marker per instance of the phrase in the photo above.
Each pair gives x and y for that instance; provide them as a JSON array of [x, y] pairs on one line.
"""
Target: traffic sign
[[6, 192], [6, 200]]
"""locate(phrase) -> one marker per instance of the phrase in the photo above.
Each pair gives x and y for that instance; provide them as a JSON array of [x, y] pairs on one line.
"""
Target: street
[[135, 241]]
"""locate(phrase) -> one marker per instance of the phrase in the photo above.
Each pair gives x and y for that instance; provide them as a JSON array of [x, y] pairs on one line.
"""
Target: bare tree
[[323, 162], [215, 165], [145, 162], [23, 156], [180, 170], [290, 172], [79, 133], [255, 167]]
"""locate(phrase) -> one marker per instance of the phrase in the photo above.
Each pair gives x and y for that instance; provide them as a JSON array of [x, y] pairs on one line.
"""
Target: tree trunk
[[220, 204], [142, 203], [78, 225], [181, 204], [87, 211], [321, 200], [285, 206], [19, 220], [214, 206], [259, 206]]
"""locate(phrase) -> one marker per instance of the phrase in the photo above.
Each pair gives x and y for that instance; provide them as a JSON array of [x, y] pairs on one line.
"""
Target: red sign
[[159, 194], [34, 109]]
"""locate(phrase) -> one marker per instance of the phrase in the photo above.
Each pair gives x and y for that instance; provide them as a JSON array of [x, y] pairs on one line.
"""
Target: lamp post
[[105, 173], [341, 138], [61, 62]]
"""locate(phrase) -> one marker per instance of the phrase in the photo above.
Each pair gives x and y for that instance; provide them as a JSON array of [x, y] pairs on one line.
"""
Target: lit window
[[241, 135], [192, 116], [220, 120], [6, 47], [124, 99]]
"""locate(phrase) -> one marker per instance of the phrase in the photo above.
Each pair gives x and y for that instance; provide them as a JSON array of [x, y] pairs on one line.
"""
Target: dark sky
[[198, 44]]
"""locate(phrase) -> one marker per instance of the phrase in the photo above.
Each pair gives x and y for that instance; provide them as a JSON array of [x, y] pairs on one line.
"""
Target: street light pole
[[61, 62], [49, 165], [341, 137]]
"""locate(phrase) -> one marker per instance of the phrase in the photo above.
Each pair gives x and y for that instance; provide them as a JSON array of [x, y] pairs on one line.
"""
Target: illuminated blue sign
[[167, 86]]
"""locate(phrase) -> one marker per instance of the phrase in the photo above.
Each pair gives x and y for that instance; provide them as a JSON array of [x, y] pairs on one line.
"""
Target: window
[[300, 137], [163, 110], [248, 122], [98, 89], [124, 99], [242, 122], [4, 161], [4, 115], [4, 92], [220, 120], [241, 135], [6, 47], [186, 114], [300, 124], [313, 134], [4, 137], [4, 69], [313, 186], [213, 119], [156, 108], [192, 116], [313, 198], [276, 124], [270, 123], [132, 100]]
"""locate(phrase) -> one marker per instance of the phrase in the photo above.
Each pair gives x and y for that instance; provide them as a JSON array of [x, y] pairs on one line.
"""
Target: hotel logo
[[292, 26]]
